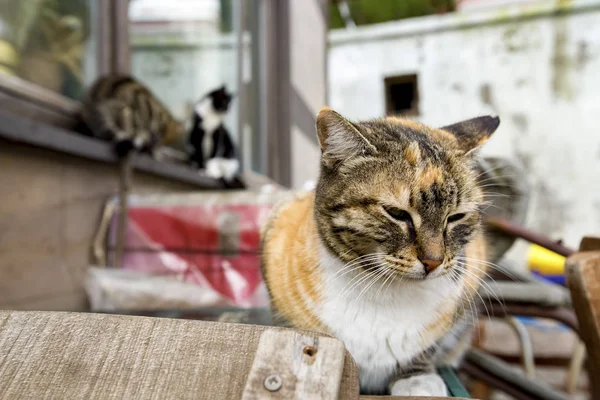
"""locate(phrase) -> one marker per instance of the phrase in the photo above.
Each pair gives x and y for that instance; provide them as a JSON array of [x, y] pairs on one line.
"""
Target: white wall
[[540, 74]]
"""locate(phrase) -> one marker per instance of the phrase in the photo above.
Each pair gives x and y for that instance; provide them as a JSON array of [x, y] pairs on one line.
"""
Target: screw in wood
[[309, 351], [273, 383]]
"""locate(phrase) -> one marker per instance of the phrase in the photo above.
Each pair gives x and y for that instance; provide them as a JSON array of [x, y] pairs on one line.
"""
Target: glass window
[[183, 49], [49, 43]]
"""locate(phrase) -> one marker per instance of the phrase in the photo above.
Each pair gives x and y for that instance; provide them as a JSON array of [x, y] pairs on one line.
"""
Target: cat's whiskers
[[485, 284], [389, 276], [490, 264], [355, 281], [480, 281], [497, 178], [472, 263], [352, 265], [378, 275], [496, 195], [474, 289], [456, 278], [494, 168], [488, 205]]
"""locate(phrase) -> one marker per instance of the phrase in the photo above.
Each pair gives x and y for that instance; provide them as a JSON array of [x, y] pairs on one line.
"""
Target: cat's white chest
[[381, 329], [211, 120]]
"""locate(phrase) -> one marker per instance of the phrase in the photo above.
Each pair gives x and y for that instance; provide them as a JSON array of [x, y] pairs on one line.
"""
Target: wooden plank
[[406, 398], [31, 110], [291, 365], [34, 133], [583, 279], [34, 94], [589, 243]]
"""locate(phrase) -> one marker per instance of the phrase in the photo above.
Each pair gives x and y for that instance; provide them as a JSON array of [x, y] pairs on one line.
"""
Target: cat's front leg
[[428, 384]]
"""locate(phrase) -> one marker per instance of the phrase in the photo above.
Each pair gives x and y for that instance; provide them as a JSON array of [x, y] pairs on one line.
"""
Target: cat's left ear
[[339, 138], [472, 133]]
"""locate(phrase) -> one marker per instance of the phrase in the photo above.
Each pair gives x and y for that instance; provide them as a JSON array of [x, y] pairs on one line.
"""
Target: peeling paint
[[510, 38], [457, 87], [521, 82], [420, 49], [562, 85], [520, 120], [583, 55], [551, 212], [485, 92]]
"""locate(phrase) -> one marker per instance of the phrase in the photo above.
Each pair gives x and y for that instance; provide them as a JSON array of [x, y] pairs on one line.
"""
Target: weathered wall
[[51, 205], [537, 70]]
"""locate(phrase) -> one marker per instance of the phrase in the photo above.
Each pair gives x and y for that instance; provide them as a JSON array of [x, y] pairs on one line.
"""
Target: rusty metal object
[[518, 231], [495, 373]]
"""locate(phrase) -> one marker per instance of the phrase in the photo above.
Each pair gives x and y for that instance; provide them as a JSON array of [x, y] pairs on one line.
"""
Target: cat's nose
[[431, 264]]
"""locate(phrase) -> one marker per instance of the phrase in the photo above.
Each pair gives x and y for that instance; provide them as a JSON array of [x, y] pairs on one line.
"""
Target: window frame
[[44, 105], [33, 115]]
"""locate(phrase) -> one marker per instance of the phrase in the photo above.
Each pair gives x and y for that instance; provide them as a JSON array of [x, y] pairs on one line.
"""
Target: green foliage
[[365, 12], [227, 16]]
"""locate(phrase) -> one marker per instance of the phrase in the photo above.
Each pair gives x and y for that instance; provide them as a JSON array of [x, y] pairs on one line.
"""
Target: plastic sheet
[[112, 289], [210, 240]]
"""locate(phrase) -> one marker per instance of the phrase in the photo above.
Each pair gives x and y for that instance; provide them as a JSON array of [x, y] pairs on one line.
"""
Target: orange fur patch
[[412, 153], [482, 141], [442, 136], [291, 263], [430, 175], [414, 125], [433, 332]]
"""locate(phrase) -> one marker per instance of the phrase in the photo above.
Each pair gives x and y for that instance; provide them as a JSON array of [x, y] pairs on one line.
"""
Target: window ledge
[[38, 134]]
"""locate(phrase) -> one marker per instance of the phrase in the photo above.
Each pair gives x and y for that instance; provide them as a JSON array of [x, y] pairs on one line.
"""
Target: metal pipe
[[527, 357], [507, 379], [524, 233]]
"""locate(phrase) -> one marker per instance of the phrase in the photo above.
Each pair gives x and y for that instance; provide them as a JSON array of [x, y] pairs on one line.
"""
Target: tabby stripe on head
[[366, 202], [114, 85], [344, 229]]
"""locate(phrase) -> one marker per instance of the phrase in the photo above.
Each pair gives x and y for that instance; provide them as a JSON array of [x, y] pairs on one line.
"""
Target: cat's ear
[[472, 133], [339, 138]]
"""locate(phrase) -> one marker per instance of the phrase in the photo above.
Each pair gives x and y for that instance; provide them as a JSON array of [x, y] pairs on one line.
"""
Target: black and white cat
[[210, 145]]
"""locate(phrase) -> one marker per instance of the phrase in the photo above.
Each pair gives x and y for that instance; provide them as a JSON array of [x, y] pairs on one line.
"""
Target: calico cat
[[387, 253], [120, 109], [210, 144]]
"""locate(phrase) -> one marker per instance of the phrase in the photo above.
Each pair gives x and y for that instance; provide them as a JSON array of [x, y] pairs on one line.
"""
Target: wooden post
[[292, 365], [583, 278], [124, 188]]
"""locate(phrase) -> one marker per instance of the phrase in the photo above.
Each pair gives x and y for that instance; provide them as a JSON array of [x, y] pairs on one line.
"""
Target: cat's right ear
[[339, 138]]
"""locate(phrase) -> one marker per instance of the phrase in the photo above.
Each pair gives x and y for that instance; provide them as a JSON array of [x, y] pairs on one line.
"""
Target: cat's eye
[[456, 217], [398, 214]]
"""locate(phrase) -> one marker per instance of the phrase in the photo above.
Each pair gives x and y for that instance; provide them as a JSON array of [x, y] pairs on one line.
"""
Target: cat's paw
[[218, 168], [420, 385], [213, 169]]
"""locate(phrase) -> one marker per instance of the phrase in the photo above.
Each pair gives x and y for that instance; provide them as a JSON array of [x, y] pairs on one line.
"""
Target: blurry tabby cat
[[120, 109], [387, 253], [210, 144]]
